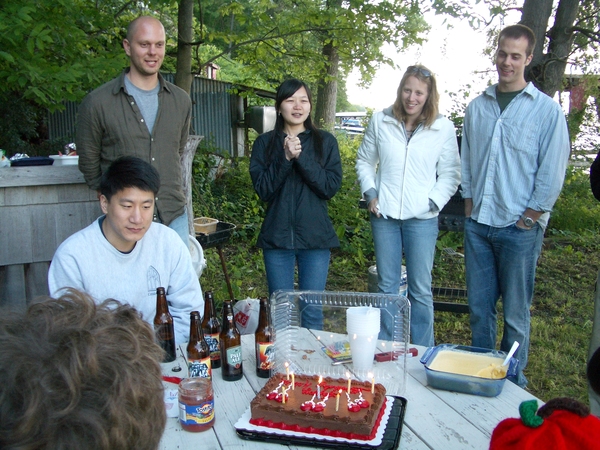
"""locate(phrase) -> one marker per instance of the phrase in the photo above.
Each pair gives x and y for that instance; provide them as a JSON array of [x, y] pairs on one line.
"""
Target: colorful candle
[[372, 383], [337, 400], [287, 371], [349, 381], [283, 395], [293, 381]]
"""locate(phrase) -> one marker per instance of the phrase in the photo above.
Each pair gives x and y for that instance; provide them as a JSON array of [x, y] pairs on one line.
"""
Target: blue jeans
[[417, 238], [313, 266], [181, 226], [501, 262]]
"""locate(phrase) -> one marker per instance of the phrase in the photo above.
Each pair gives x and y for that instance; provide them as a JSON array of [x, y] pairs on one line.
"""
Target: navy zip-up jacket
[[296, 192]]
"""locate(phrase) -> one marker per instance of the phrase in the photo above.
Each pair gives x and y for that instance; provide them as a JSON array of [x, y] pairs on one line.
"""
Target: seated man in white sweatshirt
[[125, 255]]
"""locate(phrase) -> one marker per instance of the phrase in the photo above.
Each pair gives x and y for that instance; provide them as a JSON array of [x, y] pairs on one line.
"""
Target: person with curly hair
[[79, 375]]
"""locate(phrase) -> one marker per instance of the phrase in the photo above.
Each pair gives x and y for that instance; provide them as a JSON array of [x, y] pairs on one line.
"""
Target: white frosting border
[[243, 423]]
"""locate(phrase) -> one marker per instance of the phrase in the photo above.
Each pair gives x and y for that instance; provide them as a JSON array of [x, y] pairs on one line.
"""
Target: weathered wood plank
[[36, 280], [40, 176], [12, 286], [15, 236]]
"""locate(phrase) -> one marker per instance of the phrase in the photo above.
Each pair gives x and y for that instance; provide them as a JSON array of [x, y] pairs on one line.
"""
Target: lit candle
[[293, 381], [319, 387], [349, 381], [283, 395], [372, 383], [287, 371]]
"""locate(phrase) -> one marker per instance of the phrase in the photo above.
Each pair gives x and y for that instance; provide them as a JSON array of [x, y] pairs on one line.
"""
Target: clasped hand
[[292, 147]]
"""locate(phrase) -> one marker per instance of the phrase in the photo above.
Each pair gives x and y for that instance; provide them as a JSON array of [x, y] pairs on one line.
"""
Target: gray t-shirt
[[147, 101]]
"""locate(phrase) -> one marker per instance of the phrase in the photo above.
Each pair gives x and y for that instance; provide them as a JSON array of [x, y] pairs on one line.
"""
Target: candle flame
[[320, 379]]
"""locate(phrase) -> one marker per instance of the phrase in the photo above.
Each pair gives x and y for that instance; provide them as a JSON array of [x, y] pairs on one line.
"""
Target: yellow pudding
[[472, 364]]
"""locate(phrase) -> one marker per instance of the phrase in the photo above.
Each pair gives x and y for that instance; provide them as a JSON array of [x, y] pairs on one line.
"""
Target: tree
[[54, 51], [309, 39]]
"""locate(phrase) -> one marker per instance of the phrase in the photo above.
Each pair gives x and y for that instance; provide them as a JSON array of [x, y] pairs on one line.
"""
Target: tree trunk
[[546, 70], [185, 15], [327, 91]]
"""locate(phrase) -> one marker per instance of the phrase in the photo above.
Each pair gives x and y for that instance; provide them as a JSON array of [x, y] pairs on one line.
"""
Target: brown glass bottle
[[263, 341], [212, 328], [231, 346], [198, 353], [163, 326]]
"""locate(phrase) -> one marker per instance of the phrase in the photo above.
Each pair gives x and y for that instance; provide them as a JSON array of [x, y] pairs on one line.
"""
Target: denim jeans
[[313, 266], [501, 262], [181, 226], [417, 238]]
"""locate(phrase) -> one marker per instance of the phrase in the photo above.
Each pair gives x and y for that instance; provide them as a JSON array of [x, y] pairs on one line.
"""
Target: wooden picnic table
[[435, 419]]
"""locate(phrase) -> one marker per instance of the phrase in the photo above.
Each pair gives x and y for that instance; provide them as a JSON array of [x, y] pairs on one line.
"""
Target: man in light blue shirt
[[515, 149]]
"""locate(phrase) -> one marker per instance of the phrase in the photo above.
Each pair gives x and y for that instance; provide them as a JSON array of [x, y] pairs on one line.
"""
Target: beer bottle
[[163, 326], [198, 353], [231, 346], [212, 328], [263, 340]]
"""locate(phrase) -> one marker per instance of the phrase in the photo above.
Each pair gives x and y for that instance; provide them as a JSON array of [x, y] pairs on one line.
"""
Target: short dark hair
[[518, 31], [126, 172], [75, 374]]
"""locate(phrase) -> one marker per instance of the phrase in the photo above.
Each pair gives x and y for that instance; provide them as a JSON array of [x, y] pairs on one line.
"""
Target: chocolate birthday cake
[[325, 408]]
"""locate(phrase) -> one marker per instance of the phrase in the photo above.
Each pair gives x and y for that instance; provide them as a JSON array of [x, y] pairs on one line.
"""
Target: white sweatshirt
[[88, 262]]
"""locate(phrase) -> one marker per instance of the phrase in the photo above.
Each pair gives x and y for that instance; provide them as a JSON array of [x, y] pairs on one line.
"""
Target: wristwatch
[[528, 221]]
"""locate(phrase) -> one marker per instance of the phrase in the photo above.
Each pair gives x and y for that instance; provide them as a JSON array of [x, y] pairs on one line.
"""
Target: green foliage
[[56, 50], [576, 210], [273, 41]]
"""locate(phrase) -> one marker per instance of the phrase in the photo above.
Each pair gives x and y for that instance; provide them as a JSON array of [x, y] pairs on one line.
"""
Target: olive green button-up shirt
[[110, 125]]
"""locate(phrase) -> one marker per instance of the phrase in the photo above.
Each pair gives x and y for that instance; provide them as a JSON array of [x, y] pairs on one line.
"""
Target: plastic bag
[[245, 315]]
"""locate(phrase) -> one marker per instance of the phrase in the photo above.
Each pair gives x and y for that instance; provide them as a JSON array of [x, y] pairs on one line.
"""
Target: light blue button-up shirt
[[513, 160]]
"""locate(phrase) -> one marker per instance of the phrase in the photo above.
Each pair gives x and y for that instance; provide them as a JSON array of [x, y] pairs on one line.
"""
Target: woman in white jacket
[[408, 167]]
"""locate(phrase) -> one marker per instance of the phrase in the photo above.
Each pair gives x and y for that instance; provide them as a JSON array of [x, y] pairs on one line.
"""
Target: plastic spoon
[[512, 351]]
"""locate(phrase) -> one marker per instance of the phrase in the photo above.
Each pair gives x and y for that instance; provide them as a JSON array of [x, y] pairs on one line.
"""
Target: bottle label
[[213, 344], [234, 356], [200, 368], [197, 414], [265, 355]]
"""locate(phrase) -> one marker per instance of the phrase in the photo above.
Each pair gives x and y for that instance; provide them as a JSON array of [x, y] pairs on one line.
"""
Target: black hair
[[284, 91], [126, 172]]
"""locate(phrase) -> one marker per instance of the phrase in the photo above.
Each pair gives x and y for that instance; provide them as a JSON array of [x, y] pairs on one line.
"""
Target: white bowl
[[60, 160]]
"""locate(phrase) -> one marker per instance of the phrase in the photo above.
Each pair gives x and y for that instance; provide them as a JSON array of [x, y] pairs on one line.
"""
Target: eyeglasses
[[414, 69]]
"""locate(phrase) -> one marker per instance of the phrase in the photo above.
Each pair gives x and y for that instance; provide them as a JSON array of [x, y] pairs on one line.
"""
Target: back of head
[[519, 31], [129, 172], [78, 375]]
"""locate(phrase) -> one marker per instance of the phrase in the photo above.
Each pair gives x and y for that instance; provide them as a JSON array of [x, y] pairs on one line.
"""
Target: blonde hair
[[431, 107]]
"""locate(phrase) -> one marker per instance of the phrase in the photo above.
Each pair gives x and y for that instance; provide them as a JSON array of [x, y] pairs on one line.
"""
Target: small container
[[196, 404], [205, 225], [468, 384]]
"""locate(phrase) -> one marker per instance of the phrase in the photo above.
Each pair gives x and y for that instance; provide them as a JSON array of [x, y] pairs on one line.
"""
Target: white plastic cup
[[362, 348], [362, 326], [363, 320]]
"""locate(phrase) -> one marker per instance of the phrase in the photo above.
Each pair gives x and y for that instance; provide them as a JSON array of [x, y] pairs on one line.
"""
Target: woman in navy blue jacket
[[296, 168]]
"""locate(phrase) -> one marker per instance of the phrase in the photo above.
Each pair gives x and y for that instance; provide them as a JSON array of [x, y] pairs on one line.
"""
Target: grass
[[562, 310]]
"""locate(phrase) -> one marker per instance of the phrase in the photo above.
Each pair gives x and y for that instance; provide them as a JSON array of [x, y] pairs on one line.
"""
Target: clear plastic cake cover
[[304, 346]]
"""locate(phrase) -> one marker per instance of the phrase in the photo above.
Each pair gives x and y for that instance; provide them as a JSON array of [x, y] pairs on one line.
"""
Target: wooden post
[[187, 160]]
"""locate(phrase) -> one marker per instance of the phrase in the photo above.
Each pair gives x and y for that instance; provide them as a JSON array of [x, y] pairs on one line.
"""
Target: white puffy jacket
[[407, 175]]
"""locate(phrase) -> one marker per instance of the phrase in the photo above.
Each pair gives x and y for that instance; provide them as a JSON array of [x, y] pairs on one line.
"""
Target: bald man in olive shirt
[[139, 114]]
